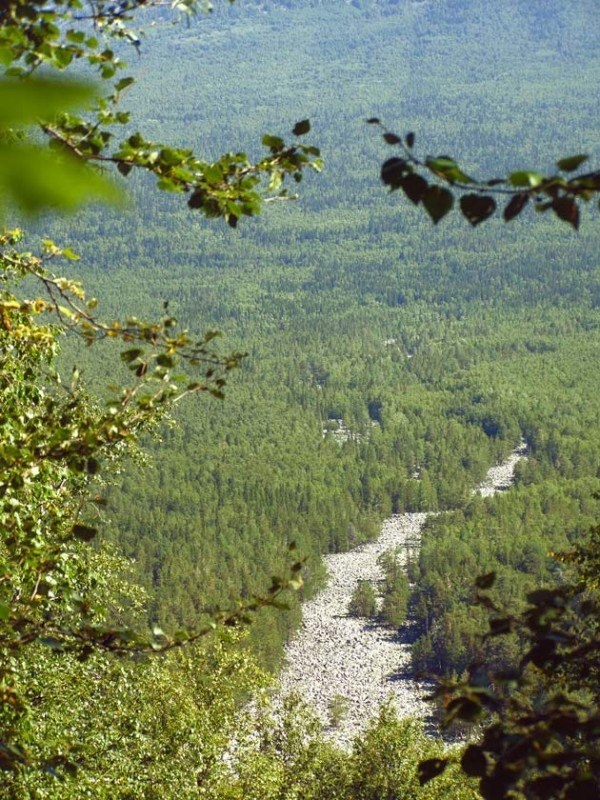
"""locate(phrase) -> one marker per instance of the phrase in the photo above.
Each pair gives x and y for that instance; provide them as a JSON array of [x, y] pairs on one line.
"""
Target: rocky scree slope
[[345, 667]]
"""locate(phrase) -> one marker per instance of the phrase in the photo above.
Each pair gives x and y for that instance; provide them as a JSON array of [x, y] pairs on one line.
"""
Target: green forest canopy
[[469, 359]]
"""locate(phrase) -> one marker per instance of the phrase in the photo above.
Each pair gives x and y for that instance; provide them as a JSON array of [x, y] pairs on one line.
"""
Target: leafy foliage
[[395, 590], [562, 193], [287, 756], [363, 602], [480, 339], [541, 721], [35, 34], [55, 442], [55, 438]]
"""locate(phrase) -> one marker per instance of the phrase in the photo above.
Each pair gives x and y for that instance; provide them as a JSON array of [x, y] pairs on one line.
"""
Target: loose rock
[[340, 661]]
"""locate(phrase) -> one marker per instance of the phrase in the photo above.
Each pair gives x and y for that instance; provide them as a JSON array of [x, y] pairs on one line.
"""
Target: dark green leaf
[[430, 769], [477, 207], [84, 532], [124, 83], [136, 140], [52, 642], [130, 355], [571, 163], [171, 157], [124, 167], [77, 37], [585, 789], [393, 171], [410, 139], [567, 209], [542, 653], [163, 360], [546, 597], [391, 138], [92, 466], [414, 186], [547, 786], [515, 205], [463, 708], [485, 581], [302, 127], [373, 121], [492, 789], [486, 602], [500, 626], [474, 762], [213, 173], [438, 201], [197, 199], [507, 675]]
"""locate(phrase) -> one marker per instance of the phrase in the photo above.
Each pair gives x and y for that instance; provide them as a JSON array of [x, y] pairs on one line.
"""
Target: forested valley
[[388, 363]]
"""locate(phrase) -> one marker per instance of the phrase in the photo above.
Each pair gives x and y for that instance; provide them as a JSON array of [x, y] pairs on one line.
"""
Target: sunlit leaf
[[525, 179], [67, 252], [25, 102], [37, 178], [447, 168], [275, 143]]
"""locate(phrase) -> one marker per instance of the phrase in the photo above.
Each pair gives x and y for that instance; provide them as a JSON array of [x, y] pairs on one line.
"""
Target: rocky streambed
[[345, 667]]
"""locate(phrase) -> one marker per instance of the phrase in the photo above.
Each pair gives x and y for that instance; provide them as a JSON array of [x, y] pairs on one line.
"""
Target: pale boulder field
[[339, 662]]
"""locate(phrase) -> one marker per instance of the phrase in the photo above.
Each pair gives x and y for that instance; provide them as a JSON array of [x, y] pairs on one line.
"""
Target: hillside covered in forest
[[437, 347], [383, 364]]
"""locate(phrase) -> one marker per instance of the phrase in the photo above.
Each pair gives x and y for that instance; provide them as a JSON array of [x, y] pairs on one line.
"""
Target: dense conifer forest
[[437, 358], [387, 364]]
